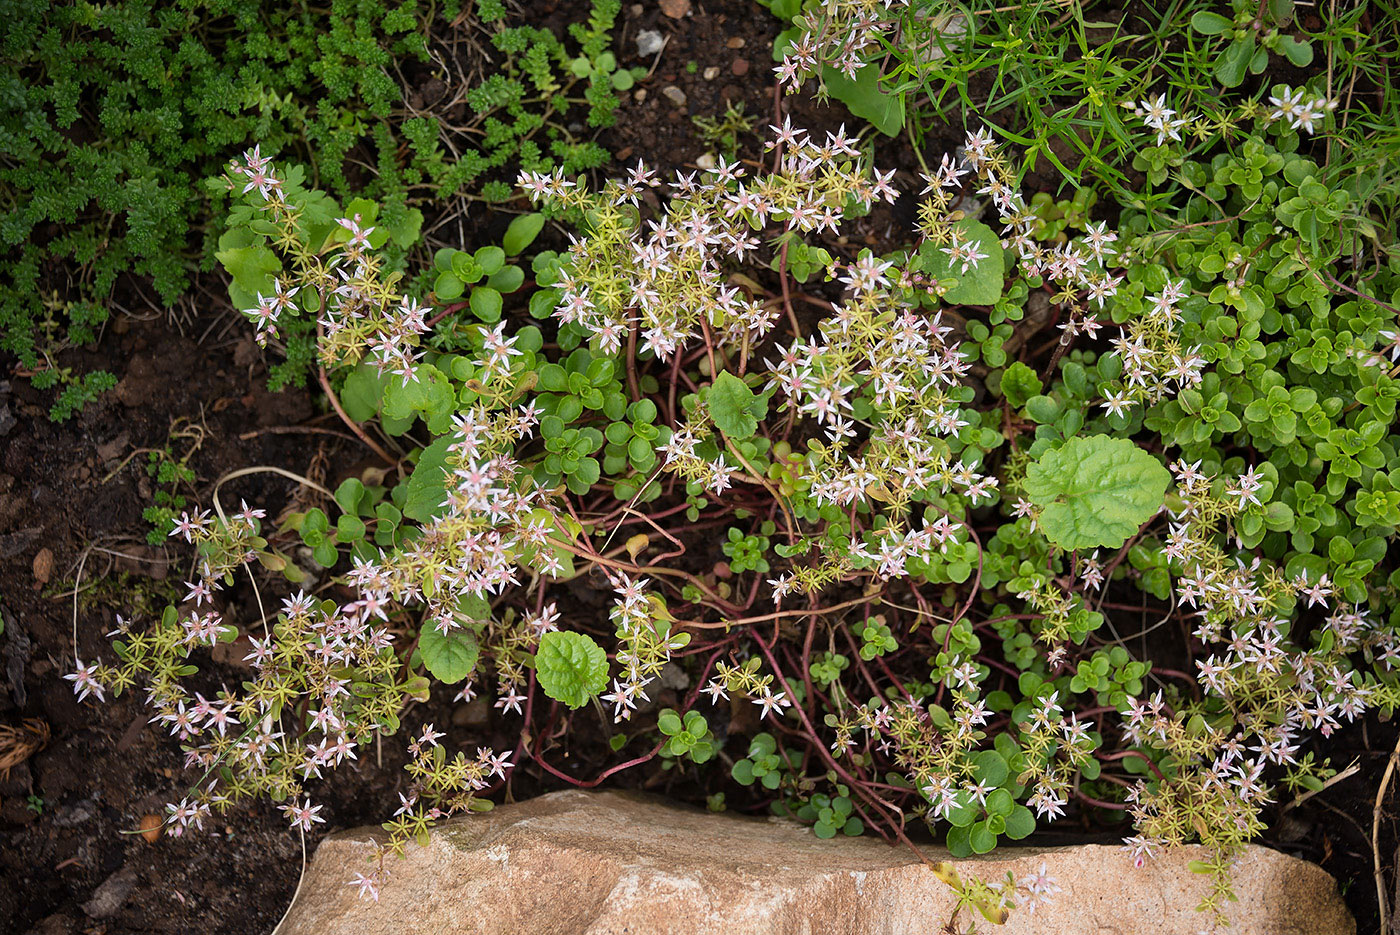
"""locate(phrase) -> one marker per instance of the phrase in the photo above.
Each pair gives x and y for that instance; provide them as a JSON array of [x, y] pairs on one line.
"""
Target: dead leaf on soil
[[18, 744]]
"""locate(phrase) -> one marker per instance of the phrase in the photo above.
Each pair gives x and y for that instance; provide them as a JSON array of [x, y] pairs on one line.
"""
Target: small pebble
[[649, 42], [706, 161], [108, 897], [475, 713], [673, 677], [674, 8], [150, 827], [674, 94], [711, 73], [734, 42], [640, 95], [739, 67], [43, 565]]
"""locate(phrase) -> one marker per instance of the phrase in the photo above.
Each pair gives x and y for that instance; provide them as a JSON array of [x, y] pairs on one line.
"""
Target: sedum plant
[[830, 493]]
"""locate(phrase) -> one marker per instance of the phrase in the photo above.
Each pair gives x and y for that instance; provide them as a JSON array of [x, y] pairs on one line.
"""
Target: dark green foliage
[[79, 392], [113, 112]]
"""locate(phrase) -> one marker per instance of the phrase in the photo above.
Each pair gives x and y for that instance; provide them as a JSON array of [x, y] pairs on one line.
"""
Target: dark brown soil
[[69, 861]]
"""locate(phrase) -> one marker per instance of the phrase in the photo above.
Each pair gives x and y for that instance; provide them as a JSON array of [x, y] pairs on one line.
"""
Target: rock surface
[[614, 864]]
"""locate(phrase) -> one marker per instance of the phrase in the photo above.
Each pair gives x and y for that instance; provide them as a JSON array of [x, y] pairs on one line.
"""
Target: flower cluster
[[335, 274], [1295, 107], [1154, 363], [669, 285], [839, 34]]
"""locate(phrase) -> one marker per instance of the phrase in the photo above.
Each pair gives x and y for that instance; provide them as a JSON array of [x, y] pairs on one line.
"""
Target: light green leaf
[[507, 279], [783, 9], [571, 668], [1095, 491], [1043, 409], [1019, 383], [980, 284], [362, 392], [1019, 823], [449, 658], [448, 287], [490, 259], [981, 838], [864, 97], [349, 528], [1230, 67], [427, 486], [734, 407], [404, 232], [428, 395], [522, 232], [486, 304], [991, 767], [349, 494], [250, 263], [1298, 52], [1210, 24]]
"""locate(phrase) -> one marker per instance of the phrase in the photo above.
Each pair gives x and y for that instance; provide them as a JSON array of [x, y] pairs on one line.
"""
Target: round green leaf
[[507, 279], [491, 259], [448, 287], [981, 283], [486, 304], [981, 838], [1095, 491], [1019, 823], [991, 767], [349, 528], [449, 658], [571, 668]]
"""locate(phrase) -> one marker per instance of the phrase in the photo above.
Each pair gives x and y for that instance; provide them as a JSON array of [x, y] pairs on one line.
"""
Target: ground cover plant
[[115, 114], [1064, 500]]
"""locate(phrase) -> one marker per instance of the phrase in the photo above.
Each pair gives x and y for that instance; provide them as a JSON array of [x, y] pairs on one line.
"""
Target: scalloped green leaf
[[427, 485], [250, 263], [1095, 492], [978, 285], [449, 658], [734, 407], [428, 394], [1020, 823], [571, 667], [362, 393]]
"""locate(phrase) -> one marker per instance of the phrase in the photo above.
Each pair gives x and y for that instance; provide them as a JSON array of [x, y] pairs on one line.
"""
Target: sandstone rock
[[610, 863]]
